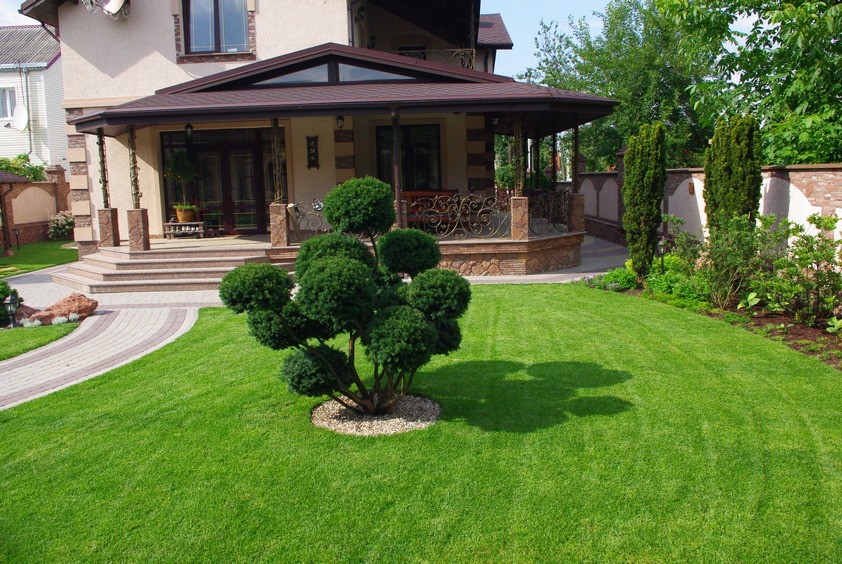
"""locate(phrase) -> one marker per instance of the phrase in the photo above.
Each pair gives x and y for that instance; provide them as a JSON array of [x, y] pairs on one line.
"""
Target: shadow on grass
[[520, 398]]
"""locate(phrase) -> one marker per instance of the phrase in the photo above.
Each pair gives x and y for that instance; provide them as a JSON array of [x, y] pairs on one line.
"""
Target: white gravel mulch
[[412, 413]]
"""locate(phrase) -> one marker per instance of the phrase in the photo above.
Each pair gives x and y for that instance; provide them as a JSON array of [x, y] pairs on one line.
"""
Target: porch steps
[[114, 270]]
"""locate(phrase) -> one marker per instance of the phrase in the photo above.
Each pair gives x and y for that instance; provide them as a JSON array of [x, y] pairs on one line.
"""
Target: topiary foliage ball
[[337, 292], [409, 251], [448, 336], [255, 286], [315, 372], [331, 245], [440, 294], [285, 329], [401, 339], [361, 205]]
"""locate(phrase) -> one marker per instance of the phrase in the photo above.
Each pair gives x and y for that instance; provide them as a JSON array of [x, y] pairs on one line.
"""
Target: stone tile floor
[[127, 326]]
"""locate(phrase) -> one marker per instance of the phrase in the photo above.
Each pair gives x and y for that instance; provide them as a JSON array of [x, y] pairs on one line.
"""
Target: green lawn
[[35, 257], [577, 425], [23, 339]]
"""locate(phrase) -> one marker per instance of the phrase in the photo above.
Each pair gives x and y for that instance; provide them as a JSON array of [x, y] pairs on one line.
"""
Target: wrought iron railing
[[549, 212], [458, 217], [465, 58], [306, 220]]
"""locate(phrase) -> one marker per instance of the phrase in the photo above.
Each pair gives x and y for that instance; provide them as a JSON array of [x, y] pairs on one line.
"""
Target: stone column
[[109, 228], [57, 175], [577, 213], [138, 229], [80, 198], [278, 227], [520, 218]]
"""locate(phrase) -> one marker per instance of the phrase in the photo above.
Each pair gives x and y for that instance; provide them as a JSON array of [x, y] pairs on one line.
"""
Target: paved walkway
[[127, 326]]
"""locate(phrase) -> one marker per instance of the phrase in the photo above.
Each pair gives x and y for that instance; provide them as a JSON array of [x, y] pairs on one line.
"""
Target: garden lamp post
[[662, 250], [11, 304], [17, 237]]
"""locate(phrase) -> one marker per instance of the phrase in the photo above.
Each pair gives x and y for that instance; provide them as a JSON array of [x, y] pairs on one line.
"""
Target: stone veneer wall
[[495, 257], [480, 153], [80, 197]]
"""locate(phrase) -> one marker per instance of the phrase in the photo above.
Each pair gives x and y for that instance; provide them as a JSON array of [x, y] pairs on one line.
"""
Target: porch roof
[[236, 95]]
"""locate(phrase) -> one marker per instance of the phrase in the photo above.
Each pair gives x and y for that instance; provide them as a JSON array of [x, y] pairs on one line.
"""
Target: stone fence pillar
[[109, 228], [520, 218], [138, 229], [577, 213], [278, 225]]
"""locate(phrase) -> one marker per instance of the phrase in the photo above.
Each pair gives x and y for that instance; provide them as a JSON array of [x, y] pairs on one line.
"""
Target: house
[[32, 120], [277, 102]]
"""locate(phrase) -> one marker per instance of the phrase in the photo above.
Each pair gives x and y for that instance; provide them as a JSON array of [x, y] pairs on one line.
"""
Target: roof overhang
[[45, 11]]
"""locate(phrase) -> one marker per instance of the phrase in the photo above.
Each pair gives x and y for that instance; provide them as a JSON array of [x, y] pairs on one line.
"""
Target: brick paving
[[126, 326]]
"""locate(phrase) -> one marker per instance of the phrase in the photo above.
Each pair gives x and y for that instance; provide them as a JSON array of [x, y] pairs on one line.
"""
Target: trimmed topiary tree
[[732, 170], [346, 289], [643, 192]]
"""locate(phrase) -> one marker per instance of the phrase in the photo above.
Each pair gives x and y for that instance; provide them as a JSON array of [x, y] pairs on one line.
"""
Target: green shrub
[[439, 294], [643, 192], [361, 205], [255, 286], [505, 176], [332, 245], [61, 226], [5, 292], [448, 336], [337, 292], [409, 251], [401, 338], [729, 256], [21, 166], [317, 371], [285, 328], [616, 280]]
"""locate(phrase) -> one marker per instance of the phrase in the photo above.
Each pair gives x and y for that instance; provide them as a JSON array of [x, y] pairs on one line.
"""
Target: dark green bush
[[317, 371], [337, 292], [448, 336], [439, 294], [332, 245], [729, 258], [287, 328], [361, 205], [401, 338], [617, 280], [409, 251], [255, 286], [5, 292]]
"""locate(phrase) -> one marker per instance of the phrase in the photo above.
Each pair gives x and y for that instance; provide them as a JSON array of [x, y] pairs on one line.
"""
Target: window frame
[[407, 139], [217, 31], [4, 92]]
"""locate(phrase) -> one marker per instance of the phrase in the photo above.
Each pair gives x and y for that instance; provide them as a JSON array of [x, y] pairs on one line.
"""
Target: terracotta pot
[[184, 216]]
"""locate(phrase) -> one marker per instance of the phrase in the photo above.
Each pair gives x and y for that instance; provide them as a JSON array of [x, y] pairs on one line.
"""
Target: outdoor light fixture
[[188, 130], [11, 305], [360, 15], [340, 122], [16, 231], [662, 250]]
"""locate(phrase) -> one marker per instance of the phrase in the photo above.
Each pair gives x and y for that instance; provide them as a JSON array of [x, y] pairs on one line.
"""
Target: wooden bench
[[185, 229]]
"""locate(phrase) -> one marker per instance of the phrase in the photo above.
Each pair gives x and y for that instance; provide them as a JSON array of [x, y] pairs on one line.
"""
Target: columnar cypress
[[732, 169], [643, 192]]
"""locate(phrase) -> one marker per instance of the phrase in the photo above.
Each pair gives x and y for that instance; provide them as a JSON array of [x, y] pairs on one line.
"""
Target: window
[[7, 103], [420, 156], [216, 26]]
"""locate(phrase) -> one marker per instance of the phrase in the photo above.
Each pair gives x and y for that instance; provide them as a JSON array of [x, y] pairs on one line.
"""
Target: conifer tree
[[732, 169], [643, 192]]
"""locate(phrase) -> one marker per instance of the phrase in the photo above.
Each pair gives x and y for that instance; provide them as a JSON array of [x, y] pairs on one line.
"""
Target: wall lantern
[[188, 130], [340, 122], [11, 305], [372, 42], [360, 15]]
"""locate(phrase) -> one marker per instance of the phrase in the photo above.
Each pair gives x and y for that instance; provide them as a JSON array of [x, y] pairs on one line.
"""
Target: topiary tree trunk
[[732, 170], [643, 192]]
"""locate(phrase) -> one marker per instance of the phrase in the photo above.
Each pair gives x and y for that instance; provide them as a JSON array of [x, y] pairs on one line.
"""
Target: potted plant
[[181, 169]]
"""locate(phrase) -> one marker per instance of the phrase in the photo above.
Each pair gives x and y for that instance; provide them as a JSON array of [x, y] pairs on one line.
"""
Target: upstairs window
[[216, 26], [8, 101]]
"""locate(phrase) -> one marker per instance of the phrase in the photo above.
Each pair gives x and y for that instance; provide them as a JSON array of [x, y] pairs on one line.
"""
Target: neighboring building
[[32, 120], [343, 79]]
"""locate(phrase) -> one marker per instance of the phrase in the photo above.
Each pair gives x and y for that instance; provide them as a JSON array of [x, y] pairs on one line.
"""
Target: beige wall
[[33, 205]]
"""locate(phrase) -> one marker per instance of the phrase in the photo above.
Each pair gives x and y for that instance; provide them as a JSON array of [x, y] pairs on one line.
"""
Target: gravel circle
[[413, 412]]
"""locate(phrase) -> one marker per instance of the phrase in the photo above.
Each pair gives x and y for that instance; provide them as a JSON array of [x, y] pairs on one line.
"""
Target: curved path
[[127, 326]]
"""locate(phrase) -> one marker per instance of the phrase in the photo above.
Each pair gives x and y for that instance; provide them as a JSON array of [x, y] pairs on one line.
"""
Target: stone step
[[90, 286], [110, 275], [195, 261], [186, 252]]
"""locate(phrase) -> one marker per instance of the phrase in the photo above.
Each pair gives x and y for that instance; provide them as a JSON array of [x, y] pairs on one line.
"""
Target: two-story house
[[280, 101]]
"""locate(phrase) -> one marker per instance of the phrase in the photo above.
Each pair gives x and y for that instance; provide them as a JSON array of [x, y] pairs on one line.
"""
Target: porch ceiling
[[544, 110]]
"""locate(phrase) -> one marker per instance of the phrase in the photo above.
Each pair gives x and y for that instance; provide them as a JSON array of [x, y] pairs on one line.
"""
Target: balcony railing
[[465, 58]]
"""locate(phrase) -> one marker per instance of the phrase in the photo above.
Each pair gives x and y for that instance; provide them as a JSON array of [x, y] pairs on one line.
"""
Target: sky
[[522, 19]]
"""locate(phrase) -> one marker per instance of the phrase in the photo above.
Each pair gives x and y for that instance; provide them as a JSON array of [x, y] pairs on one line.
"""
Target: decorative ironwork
[[103, 168], [306, 220], [133, 176], [465, 58], [461, 217], [549, 212]]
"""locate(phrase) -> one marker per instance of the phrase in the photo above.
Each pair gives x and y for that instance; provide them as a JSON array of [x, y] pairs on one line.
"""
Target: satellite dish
[[20, 118], [114, 7]]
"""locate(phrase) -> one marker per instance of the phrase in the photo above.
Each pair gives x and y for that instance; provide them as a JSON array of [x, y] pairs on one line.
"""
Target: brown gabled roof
[[45, 11], [253, 72], [493, 33]]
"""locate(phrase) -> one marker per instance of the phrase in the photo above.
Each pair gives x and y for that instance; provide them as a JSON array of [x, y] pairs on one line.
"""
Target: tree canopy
[[636, 60], [784, 69]]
